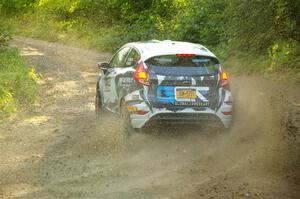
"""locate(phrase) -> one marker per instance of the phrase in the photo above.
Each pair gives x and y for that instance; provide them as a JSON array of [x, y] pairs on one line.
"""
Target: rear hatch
[[183, 81]]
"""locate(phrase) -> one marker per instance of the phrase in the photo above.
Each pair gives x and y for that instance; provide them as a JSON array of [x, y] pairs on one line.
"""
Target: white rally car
[[165, 82]]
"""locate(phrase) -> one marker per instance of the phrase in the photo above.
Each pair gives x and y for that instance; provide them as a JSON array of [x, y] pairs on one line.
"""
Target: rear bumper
[[188, 115], [184, 117], [208, 117]]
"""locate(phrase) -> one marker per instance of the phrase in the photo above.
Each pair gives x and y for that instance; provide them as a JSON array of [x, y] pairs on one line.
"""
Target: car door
[[124, 80], [110, 99]]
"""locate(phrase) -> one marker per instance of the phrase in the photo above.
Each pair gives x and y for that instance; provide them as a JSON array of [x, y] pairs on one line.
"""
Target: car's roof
[[167, 47]]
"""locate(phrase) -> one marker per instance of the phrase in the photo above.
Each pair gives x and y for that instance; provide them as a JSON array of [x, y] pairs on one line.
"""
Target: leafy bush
[[4, 38], [17, 82], [13, 6], [284, 53]]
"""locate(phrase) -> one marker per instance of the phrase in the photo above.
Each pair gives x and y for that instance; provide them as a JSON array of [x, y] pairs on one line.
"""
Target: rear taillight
[[185, 55], [225, 76], [141, 75], [224, 79], [227, 113], [141, 112]]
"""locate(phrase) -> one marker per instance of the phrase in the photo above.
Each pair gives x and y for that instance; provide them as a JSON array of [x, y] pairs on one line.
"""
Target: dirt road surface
[[58, 149]]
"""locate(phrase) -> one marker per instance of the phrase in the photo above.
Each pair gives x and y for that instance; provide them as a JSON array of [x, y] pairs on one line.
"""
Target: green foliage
[[201, 22], [4, 38], [17, 82], [13, 6], [239, 29], [284, 53], [255, 25]]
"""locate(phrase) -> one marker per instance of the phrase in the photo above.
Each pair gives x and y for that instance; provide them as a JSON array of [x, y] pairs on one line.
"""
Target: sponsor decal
[[125, 80], [191, 103]]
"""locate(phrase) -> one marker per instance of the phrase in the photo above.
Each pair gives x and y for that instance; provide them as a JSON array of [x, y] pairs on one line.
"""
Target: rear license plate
[[186, 94]]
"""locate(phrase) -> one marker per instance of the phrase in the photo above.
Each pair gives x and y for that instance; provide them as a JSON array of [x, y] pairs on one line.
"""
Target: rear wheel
[[126, 127], [221, 129], [98, 103]]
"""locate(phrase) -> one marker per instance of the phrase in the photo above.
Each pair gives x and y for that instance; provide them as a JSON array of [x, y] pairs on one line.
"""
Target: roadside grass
[[18, 87]]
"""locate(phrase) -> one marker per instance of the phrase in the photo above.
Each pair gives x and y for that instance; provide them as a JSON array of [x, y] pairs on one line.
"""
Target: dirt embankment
[[58, 150]]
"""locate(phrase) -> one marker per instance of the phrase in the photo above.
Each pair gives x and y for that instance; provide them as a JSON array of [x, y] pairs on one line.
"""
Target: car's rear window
[[200, 64]]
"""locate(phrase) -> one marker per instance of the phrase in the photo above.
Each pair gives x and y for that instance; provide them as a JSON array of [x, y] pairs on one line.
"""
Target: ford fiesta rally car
[[164, 81]]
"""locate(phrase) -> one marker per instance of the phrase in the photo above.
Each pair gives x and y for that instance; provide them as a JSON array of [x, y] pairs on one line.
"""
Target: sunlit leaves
[[12, 6], [17, 82]]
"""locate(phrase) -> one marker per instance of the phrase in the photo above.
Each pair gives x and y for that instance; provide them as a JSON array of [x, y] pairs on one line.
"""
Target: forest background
[[249, 36]]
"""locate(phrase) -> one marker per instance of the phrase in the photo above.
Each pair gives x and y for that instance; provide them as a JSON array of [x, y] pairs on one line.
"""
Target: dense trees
[[269, 28]]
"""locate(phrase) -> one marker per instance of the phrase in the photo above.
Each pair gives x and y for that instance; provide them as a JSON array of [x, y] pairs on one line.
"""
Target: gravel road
[[58, 150]]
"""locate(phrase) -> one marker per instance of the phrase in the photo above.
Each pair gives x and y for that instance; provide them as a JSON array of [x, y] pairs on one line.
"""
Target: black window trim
[[110, 62], [132, 48]]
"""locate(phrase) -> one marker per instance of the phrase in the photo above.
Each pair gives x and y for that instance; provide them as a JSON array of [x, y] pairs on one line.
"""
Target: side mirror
[[103, 66]]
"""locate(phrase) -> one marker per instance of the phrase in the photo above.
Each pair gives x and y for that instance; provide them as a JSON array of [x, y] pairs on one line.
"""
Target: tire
[[126, 128], [223, 130], [98, 104]]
